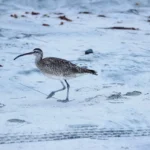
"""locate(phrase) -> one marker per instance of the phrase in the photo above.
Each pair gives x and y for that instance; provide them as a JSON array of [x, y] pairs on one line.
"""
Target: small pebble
[[89, 51], [134, 93], [115, 96], [16, 121]]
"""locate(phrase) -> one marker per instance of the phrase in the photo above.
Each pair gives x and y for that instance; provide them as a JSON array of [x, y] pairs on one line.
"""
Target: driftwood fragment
[[101, 16], [14, 16], [64, 18], [122, 28], [35, 13], [45, 24], [85, 12]]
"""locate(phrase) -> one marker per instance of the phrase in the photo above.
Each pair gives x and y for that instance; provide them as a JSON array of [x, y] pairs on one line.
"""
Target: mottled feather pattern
[[57, 68], [61, 67]]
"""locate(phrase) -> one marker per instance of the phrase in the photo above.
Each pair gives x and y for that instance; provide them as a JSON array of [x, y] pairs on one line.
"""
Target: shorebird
[[57, 68]]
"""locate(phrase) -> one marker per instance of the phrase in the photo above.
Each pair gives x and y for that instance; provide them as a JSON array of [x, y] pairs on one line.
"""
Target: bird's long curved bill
[[23, 55]]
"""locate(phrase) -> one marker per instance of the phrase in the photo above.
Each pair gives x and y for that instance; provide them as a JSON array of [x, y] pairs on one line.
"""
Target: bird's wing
[[64, 67], [58, 62]]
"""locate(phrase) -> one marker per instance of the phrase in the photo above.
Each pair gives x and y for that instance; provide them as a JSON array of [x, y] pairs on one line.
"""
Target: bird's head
[[37, 52]]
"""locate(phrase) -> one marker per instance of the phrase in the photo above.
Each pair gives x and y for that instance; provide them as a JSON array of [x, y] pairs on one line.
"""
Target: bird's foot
[[63, 101], [50, 95]]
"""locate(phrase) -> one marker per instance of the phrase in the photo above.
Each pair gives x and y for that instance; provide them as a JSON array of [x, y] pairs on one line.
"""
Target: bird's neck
[[38, 59]]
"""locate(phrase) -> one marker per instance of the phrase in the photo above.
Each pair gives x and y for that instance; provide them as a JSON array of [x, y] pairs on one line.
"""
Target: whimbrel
[[57, 68]]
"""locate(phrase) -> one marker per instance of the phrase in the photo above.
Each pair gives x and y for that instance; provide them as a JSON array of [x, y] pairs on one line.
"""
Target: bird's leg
[[53, 92], [67, 97], [68, 87]]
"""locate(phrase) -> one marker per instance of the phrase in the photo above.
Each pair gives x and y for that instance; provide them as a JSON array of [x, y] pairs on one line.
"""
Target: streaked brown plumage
[[58, 68], [61, 67]]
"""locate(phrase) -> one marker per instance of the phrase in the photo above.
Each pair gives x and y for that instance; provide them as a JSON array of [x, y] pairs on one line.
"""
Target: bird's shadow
[[28, 72]]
